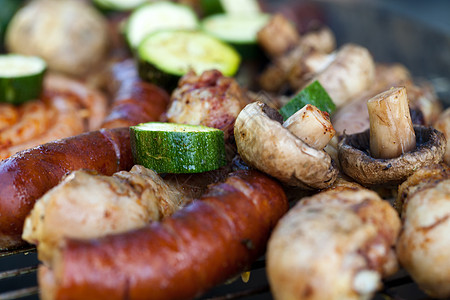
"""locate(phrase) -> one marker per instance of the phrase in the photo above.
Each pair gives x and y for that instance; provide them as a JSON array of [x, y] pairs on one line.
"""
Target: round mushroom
[[392, 148], [265, 144]]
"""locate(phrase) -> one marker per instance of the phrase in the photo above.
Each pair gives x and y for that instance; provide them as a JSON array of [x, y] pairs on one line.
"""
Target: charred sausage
[[135, 101], [207, 242], [27, 175]]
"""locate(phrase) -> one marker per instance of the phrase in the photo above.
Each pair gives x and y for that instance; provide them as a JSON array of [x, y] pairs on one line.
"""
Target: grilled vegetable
[[118, 5], [167, 55], [238, 30], [313, 94], [246, 7], [71, 36], [156, 16], [21, 78], [9, 8], [177, 148]]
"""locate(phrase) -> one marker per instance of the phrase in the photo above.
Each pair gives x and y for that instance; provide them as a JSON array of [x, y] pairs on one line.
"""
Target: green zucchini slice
[[157, 16], [238, 30], [313, 94], [166, 55], [21, 78], [177, 148], [245, 7], [119, 5]]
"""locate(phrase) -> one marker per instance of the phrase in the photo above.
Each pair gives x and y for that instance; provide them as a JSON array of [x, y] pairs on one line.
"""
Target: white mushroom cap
[[266, 145]]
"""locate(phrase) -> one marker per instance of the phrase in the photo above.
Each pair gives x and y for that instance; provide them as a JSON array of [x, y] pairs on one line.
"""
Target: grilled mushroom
[[265, 144], [422, 247], [443, 125], [392, 149]]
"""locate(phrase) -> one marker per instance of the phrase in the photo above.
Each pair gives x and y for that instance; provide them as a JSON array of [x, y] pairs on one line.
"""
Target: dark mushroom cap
[[356, 161]]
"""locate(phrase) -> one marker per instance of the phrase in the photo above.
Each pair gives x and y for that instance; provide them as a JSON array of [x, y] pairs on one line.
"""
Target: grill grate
[[18, 281]]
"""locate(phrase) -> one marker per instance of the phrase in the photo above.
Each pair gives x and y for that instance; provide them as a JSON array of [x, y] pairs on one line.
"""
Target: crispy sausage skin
[[202, 245], [135, 101], [27, 175]]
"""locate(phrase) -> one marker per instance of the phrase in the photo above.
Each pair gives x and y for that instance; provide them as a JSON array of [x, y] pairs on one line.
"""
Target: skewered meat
[[201, 245], [336, 244]]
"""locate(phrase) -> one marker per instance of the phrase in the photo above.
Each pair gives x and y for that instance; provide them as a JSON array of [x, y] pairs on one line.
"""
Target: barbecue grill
[[391, 36]]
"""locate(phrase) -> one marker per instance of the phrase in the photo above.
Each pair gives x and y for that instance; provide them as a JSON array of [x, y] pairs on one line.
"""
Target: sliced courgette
[[238, 30], [165, 56], [313, 94], [177, 148], [21, 77], [7, 10], [244, 7], [156, 16], [118, 5]]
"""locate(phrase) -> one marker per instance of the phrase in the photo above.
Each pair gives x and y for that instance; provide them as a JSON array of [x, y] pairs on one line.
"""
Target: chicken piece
[[340, 239], [422, 247], [86, 205], [66, 108], [209, 99], [443, 125]]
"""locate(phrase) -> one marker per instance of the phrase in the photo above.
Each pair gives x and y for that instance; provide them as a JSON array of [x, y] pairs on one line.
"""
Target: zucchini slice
[[165, 56], [238, 30], [119, 5], [210, 7], [7, 11], [313, 94], [156, 16], [21, 77], [177, 148]]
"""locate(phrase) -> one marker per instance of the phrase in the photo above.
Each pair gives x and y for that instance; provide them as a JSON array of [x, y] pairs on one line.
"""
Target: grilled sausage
[[207, 242], [135, 101], [27, 175]]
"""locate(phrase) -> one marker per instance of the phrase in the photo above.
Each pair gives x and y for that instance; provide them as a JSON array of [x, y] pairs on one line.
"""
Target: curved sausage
[[202, 245], [27, 175], [135, 100]]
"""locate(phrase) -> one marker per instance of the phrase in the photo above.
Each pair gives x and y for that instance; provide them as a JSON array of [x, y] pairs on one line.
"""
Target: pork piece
[[66, 108], [334, 245], [209, 99], [207, 242], [423, 245], [87, 205], [443, 125]]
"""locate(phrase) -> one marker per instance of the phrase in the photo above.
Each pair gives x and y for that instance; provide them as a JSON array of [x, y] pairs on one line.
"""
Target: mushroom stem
[[391, 130], [312, 126]]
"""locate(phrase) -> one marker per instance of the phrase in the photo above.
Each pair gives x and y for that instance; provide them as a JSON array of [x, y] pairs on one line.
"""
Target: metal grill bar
[[25, 250], [18, 272], [21, 293]]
